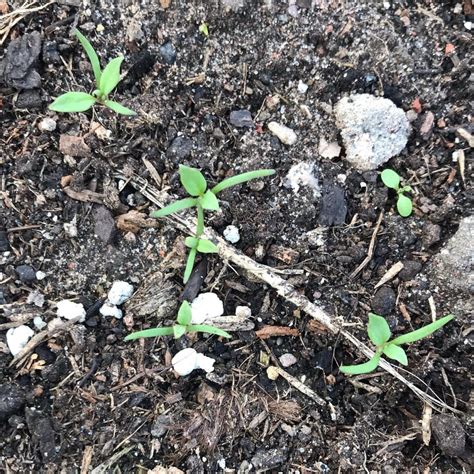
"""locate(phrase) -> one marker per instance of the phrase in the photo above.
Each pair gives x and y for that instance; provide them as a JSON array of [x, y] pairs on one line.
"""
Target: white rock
[[243, 311], [108, 309], [17, 338], [302, 87], [303, 174], [205, 307], [47, 125], [40, 275], [71, 228], [55, 323], [329, 150], [285, 134], [231, 234], [39, 323], [287, 360], [187, 360], [120, 292], [468, 25], [69, 310], [373, 130]]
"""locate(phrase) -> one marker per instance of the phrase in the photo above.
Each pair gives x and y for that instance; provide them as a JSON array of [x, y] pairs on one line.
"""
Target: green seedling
[[203, 28], [183, 325], [379, 333], [106, 81], [391, 179], [202, 199]]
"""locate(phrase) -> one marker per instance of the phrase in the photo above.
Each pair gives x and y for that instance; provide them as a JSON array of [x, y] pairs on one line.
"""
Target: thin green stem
[[200, 223]]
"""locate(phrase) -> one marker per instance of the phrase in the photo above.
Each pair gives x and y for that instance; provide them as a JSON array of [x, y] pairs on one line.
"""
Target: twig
[[370, 252], [283, 288]]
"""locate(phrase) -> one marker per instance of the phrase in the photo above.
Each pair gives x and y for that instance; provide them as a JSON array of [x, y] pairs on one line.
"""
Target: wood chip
[[86, 459], [426, 424], [392, 272], [272, 331], [84, 196], [153, 173], [287, 255], [463, 133], [133, 221], [316, 327]]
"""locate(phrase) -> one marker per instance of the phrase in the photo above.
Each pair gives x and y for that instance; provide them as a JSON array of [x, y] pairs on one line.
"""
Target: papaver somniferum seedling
[[106, 81], [202, 199], [391, 179], [379, 333], [182, 326]]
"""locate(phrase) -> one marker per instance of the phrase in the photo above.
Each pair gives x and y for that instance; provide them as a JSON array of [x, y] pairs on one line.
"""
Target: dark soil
[[86, 398]]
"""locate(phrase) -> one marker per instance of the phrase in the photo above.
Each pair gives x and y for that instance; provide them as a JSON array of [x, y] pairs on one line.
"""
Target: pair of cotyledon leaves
[[105, 80], [391, 179]]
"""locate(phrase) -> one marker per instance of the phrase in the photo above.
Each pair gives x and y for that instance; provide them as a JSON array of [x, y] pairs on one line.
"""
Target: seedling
[[391, 179], [106, 81], [202, 199], [379, 333], [182, 326], [203, 28]]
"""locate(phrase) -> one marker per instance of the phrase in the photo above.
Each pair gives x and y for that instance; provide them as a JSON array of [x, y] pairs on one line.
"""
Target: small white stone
[[71, 228], [17, 338], [303, 174], [108, 309], [39, 323], [205, 307], [120, 292], [47, 125], [231, 234], [302, 87], [341, 178], [468, 25], [386, 5], [243, 312], [329, 150], [40, 275], [287, 360], [69, 310], [54, 324], [285, 134], [187, 360]]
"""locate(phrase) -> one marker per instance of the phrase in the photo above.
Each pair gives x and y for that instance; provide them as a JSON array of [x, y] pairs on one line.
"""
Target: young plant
[[106, 81], [182, 326], [379, 333], [391, 179], [202, 199]]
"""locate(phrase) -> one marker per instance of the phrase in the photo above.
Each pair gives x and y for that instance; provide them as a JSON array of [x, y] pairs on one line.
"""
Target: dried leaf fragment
[[272, 331]]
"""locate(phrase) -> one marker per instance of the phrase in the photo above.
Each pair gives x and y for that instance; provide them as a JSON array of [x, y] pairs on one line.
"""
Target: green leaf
[[155, 332], [192, 180], [209, 201], [390, 178], [91, 54], [206, 246], [191, 242], [110, 76], [422, 332], [119, 108], [185, 314], [204, 29], [378, 329], [73, 102], [365, 368], [241, 178], [208, 329], [189, 265], [404, 205], [406, 189], [178, 331], [174, 207], [395, 352]]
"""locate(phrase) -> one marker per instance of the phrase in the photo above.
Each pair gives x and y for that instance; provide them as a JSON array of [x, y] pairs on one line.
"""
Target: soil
[[85, 398]]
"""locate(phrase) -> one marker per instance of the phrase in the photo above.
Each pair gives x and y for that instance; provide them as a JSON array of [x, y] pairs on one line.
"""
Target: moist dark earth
[[84, 399]]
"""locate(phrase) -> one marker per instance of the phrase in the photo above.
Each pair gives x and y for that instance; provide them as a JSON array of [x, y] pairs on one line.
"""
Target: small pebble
[[40, 275], [108, 309], [231, 234], [302, 87], [17, 338], [47, 125], [187, 360], [285, 134], [241, 118], [39, 323], [26, 273], [287, 360], [69, 310], [205, 307], [168, 52], [120, 292], [243, 311]]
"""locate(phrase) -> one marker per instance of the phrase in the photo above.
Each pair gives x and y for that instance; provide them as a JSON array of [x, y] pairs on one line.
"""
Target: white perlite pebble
[[47, 125], [39, 323], [231, 234], [40, 275], [187, 360], [287, 360], [303, 174], [302, 87], [108, 309], [120, 292], [373, 130], [285, 134], [17, 338], [70, 310], [205, 307], [243, 312]]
